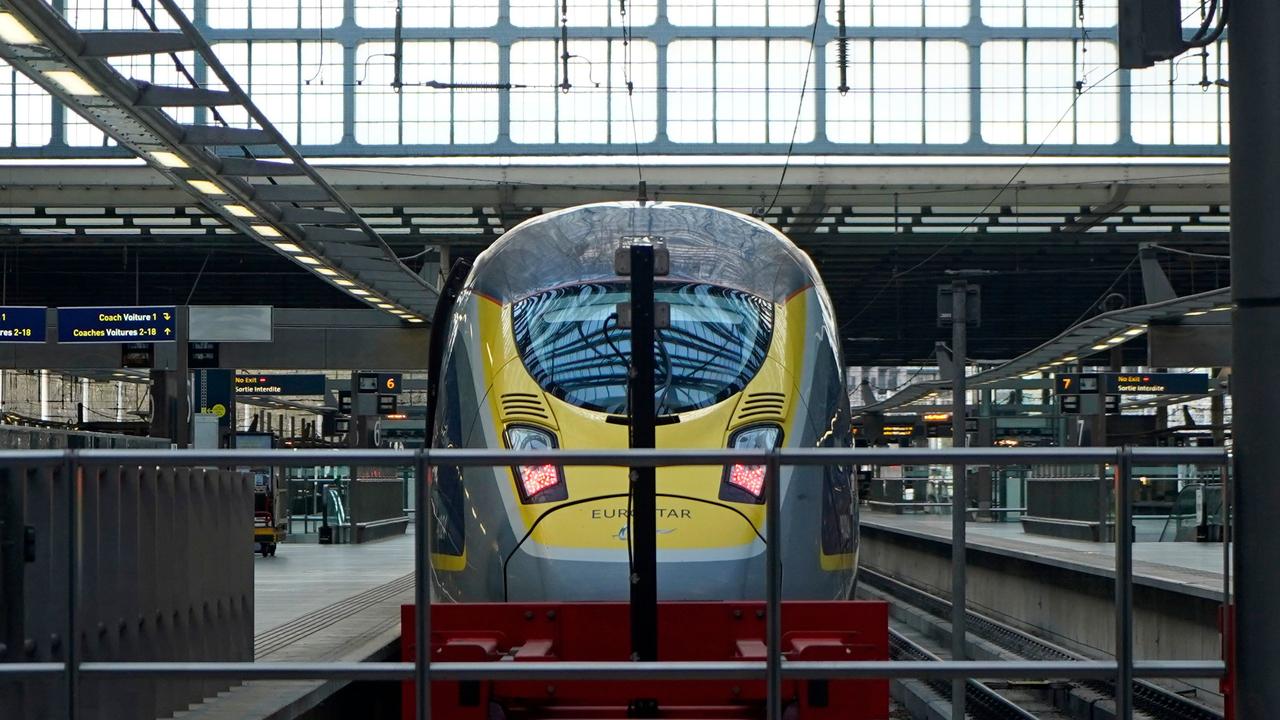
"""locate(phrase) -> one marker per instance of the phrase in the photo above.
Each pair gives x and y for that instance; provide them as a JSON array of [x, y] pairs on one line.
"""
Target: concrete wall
[[1069, 607]]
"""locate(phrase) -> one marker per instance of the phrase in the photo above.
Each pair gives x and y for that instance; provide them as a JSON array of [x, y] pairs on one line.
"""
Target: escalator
[[1196, 515]]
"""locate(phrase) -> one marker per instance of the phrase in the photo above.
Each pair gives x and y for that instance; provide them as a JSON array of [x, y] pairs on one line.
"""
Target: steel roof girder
[[293, 194], [309, 216], [218, 136], [122, 43], [158, 96]]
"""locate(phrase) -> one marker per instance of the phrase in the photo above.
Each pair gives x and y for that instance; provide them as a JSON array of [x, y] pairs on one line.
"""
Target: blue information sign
[[279, 384], [22, 324], [116, 324]]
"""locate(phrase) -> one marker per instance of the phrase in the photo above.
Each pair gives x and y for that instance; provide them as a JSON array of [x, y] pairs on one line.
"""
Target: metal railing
[[1123, 669]]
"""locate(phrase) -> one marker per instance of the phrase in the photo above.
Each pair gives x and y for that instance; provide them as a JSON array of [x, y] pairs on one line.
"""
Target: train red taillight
[[536, 483], [745, 483]]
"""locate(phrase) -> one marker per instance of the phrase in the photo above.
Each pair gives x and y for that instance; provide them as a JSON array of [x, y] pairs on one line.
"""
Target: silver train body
[[532, 357]]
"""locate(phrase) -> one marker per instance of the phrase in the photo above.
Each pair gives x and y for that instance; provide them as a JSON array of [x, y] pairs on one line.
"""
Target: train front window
[[571, 344]]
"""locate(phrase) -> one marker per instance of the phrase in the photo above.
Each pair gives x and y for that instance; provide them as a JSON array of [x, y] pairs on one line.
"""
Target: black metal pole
[[644, 510], [1255, 288], [959, 486], [1124, 584]]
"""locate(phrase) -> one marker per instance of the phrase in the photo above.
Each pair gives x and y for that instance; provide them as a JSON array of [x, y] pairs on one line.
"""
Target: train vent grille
[[762, 406], [526, 406]]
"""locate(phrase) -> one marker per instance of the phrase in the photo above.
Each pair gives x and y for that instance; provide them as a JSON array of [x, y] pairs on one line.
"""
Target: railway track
[[985, 701]]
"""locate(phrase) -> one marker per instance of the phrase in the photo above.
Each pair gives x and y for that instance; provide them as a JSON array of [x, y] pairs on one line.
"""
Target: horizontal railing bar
[[709, 670], [33, 457], [17, 671], [633, 458]]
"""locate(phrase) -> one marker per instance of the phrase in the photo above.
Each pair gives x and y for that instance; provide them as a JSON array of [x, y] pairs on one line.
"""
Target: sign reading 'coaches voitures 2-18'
[[22, 324], [116, 324]]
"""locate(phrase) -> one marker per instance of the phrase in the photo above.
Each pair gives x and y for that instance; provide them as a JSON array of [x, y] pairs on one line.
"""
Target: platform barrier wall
[[162, 569], [377, 508], [20, 437]]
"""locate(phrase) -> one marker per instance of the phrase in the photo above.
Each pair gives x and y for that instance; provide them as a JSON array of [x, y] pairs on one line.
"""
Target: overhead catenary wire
[[957, 236], [795, 127]]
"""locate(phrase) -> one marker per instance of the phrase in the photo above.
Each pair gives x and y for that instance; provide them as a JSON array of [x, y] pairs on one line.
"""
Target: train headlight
[[537, 483], [745, 483]]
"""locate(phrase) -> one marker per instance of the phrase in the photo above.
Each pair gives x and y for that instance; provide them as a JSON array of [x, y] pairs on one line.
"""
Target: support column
[[44, 394], [959, 486], [182, 382], [1255, 288]]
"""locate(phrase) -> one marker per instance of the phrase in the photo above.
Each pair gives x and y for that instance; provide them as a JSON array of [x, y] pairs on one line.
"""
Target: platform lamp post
[[959, 309]]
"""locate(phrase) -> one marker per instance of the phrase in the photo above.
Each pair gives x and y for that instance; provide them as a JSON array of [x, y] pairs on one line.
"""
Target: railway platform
[[318, 602]]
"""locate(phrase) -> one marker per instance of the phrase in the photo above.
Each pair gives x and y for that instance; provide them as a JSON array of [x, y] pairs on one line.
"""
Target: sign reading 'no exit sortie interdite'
[[116, 324]]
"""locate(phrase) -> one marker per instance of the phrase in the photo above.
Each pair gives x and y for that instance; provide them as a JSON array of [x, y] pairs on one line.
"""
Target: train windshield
[[571, 344]]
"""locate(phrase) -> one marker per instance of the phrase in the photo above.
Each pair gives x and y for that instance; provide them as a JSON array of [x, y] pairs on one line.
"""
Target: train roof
[[707, 244]]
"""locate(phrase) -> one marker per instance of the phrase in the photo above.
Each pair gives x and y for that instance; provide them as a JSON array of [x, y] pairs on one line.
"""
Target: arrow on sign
[[168, 331], [166, 316]]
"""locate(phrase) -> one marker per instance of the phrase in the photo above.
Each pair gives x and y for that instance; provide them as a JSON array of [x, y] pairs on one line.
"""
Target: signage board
[[152, 323], [22, 324], [898, 430], [344, 402], [230, 323], [1069, 404], [1076, 383], [1157, 383], [379, 382], [279, 384], [137, 355], [1111, 405], [390, 382], [387, 404], [202, 355], [213, 394]]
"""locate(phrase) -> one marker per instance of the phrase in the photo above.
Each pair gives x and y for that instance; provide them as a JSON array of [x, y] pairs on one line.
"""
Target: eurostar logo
[[622, 532]]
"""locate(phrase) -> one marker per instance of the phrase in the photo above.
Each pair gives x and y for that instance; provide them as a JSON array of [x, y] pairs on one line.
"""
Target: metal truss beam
[[70, 65]]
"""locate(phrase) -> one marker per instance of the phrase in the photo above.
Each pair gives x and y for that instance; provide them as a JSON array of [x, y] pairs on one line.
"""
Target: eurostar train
[[533, 357]]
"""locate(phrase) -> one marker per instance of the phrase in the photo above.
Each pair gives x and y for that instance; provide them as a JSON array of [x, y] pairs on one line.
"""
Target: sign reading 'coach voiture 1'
[[116, 324]]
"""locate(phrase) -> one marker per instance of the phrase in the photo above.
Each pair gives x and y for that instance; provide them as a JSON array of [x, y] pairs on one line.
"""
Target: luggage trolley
[[270, 498]]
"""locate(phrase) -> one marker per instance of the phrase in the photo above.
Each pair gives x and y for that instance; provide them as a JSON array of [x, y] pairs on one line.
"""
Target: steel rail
[[1146, 693]]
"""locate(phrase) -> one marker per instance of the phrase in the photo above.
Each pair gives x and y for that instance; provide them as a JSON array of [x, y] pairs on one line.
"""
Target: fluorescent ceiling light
[[326, 271], [1197, 313], [344, 282], [1070, 358], [267, 231], [288, 247], [239, 211], [358, 291], [401, 313], [1100, 346], [306, 260], [1135, 331], [206, 187], [168, 159], [71, 82], [14, 32], [385, 306], [415, 320], [1116, 340], [1220, 308]]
